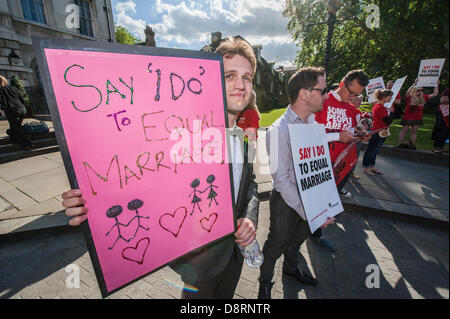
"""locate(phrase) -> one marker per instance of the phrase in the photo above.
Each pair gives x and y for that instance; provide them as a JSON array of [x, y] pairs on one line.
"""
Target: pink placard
[[146, 137]]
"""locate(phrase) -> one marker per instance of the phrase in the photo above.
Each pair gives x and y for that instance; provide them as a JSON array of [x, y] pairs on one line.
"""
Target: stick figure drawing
[[212, 194], [113, 212], [116, 210], [195, 199], [134, 205]]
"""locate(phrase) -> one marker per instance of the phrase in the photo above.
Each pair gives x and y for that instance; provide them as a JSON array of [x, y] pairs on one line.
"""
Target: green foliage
[[17, 83], [124, 36], [409, 32], [366, 107], [264, 100]]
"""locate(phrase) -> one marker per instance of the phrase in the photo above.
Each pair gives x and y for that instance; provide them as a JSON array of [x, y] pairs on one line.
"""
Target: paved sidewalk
[[30, 193], [412, 257], [30, 190], [412, 261], [406, 187]]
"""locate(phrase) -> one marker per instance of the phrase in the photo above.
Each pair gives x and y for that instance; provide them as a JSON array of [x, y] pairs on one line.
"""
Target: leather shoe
[[303, 278], [265, 291]]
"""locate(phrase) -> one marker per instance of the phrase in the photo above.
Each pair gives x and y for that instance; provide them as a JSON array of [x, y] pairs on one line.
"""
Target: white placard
[[429, 72], [395, 89], [374, 84], [314, 173]]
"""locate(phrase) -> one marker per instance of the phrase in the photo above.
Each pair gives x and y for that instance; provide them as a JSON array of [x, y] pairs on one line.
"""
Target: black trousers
[[17, 132], [221, 287], [440, 131], [286, 234]]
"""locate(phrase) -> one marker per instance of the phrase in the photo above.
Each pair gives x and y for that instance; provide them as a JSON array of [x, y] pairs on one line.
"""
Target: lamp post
[[13, 58], [332, 7]]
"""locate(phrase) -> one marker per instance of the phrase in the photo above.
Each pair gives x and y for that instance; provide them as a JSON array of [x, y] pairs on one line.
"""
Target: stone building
[[287, 73], [149, 37], [268, 82], [22, 19]]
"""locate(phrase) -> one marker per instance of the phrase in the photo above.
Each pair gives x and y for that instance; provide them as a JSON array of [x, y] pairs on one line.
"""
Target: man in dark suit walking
[[215, 270], [12, 102]]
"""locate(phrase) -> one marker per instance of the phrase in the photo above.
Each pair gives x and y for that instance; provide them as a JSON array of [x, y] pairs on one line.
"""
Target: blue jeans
[[372, 150]]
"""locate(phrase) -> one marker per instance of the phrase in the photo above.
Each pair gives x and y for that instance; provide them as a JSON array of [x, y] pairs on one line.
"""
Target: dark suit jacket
[[11, 100], [208, 262]]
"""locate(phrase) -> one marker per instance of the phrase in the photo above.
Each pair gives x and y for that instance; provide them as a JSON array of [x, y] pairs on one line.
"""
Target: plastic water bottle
[[252, 254]]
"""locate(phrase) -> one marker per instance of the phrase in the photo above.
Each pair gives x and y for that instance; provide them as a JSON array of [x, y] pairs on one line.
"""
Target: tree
[[124, 36], [17, 83], [409, 31]]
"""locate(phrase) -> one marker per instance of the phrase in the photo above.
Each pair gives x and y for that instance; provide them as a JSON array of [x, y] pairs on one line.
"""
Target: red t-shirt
[[379, 111], [414, 112], [249, 119], [337, 116], [443, 108]]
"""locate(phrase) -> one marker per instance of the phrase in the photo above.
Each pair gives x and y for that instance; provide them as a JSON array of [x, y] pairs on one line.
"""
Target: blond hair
[[252, 103], [3, 81], [382, 93], [417, 100], [232, 46]]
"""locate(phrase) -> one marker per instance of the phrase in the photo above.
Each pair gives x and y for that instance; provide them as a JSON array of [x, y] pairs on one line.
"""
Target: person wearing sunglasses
[[339, 116], [413, 115], [214, 270], [288, 223]]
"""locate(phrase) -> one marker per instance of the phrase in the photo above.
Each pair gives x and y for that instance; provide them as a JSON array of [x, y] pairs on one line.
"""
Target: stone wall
[[16, 33]]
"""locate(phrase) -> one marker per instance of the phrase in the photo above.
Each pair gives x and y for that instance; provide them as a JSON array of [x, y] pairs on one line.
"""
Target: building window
[[85, 17], [33, 10]]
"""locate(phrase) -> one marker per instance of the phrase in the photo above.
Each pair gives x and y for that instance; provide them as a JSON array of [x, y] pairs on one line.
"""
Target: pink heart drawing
[[137, 253], [207, 223], [173, 222]]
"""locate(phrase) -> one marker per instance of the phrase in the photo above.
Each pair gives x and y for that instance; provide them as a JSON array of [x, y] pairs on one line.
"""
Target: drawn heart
[[137, 253], [207, 223], [173, 222]]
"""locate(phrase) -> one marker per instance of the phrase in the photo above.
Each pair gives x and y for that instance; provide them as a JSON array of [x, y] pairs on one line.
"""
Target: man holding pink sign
[[214, 270]]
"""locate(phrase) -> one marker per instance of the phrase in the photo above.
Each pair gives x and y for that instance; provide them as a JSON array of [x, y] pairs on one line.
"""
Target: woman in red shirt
[[382, 118], [249, 118], [412, 117]]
